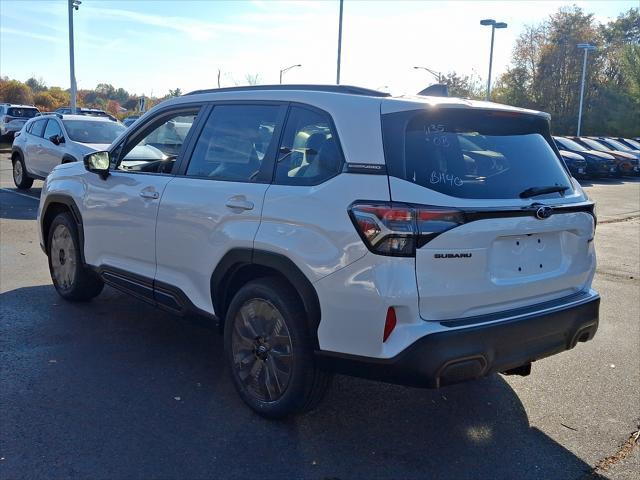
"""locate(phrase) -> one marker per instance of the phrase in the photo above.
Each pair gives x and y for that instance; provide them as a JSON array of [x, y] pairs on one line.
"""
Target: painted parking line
[[18, 193]]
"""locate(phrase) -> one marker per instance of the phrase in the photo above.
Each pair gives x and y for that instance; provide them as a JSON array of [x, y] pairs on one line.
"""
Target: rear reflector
[[389, 324]]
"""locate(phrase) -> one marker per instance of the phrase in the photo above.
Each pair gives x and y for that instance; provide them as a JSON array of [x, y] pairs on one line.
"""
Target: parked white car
[[50, 140], [13, 117], [416, 240]]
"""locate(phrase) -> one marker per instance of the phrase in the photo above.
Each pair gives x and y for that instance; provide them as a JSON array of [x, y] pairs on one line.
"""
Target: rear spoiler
[[435, 90]]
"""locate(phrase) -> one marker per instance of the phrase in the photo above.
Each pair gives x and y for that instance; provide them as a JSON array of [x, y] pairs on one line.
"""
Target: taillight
[[6, 119], [397, 229]]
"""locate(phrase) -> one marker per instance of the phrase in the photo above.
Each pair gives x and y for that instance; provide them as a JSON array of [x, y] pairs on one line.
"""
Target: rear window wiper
[[535, 191]]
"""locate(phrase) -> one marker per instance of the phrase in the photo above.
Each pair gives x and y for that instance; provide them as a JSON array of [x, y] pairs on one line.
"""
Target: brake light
[[398, 229]]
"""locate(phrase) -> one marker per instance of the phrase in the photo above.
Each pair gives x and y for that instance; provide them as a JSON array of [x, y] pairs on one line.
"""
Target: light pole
[[285, 70], [494, 25], [73, 4], [586, 47], [339, 43], [432, 72]]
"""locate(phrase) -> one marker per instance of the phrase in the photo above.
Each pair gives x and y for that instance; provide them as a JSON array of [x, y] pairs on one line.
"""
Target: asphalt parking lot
[[117, 389]]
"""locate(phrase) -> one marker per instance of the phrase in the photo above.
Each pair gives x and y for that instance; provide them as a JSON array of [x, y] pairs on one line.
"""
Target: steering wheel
[[164, 165]]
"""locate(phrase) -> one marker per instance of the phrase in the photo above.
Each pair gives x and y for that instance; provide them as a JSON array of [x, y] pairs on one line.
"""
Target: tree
[[175, 93], [113, 107], [62, 97], [511, 88], [105, 90], [36, 85], [131, 104], [14, 91], [252, 78], [121, 95], [546, 72], [465, 86], [45, 102]]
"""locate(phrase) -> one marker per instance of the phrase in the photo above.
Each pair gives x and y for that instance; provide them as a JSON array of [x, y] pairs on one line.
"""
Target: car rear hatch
[[16, 117], [487, 238]]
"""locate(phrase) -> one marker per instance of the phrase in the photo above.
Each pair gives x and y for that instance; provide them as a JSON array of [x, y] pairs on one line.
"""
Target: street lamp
[[586, 47], [490, 22], [285, 70], [73, 5], [432, 72], [339, 43]]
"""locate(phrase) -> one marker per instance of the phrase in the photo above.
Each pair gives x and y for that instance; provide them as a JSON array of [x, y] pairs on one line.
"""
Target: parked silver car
[[13, 117], [50, 140]]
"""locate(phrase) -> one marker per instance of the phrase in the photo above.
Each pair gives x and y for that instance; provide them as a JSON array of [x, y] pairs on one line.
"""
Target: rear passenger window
[[309, 153], [38, 127], [234, 142]]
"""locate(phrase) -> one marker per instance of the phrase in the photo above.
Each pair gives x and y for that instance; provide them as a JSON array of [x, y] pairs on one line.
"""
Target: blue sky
[[150, 46]]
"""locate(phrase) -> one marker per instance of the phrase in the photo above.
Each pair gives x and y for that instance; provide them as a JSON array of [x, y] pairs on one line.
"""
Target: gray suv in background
[[13, 118]]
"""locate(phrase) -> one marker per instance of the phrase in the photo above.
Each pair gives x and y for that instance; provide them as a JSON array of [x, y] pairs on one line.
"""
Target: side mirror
[[97, 162]]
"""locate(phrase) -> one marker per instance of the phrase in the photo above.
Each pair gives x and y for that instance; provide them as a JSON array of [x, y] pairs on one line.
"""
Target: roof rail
[[51, 114], [347, 89]]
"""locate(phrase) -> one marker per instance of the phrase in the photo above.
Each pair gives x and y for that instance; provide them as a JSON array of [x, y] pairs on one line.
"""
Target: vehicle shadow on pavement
[[114, 388], [17, 207], [589, 182]]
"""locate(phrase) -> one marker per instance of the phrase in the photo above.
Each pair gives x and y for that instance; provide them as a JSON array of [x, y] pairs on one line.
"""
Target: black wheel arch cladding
[[241, 261]]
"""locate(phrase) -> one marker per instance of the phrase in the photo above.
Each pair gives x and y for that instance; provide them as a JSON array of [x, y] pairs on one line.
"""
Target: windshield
[[472, 154], [22, 112], [617, 145], [91, 131], [595, 145], [633, 143], [569, 144]]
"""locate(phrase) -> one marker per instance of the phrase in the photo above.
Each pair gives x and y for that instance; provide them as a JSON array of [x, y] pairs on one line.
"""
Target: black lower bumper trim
[[464, 354]]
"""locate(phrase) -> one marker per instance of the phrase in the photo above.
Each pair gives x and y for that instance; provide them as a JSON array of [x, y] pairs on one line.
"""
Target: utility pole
[[339, 43], [586, 47], [73, 5]]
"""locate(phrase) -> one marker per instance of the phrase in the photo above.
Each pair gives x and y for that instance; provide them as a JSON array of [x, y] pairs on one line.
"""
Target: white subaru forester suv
[[417, 240]]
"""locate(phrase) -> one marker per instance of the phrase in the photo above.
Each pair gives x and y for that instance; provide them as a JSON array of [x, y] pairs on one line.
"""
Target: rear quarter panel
[[311, 225]]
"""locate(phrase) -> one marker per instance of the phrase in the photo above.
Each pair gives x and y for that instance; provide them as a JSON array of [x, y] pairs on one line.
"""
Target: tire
[[21, 178], [72, 279], [266, 317]]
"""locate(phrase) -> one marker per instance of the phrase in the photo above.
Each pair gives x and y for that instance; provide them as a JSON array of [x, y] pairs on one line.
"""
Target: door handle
[[239, 203], [149, 192]]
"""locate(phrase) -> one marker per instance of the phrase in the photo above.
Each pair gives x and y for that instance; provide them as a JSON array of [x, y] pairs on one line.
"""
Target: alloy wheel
[[63, 257], [262, 350], [17, 172]]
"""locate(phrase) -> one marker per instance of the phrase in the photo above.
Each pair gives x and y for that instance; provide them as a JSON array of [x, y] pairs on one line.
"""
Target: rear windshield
[[22, 112], [472, 154], [91, 131]]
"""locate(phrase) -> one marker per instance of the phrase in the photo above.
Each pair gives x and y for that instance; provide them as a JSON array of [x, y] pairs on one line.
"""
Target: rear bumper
[[475, 351]]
